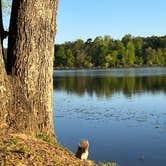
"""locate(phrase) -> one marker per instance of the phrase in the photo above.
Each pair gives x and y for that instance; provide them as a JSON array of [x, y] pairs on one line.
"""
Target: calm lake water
[[122, 112]]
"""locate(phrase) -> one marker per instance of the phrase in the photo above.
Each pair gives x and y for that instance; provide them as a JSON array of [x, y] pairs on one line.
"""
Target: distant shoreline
[[118, 67]]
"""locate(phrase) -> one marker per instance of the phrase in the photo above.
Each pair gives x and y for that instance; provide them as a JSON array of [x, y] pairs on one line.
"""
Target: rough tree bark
[[26, 88], [4, 81]]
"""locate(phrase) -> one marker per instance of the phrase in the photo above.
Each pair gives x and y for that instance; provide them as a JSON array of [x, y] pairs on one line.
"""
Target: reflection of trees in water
[[106, 86]]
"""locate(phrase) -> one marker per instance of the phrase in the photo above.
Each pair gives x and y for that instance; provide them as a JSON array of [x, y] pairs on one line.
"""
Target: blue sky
[[90, 18]]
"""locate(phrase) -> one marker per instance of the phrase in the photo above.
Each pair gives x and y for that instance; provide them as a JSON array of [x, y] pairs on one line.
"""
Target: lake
[[122, 112]]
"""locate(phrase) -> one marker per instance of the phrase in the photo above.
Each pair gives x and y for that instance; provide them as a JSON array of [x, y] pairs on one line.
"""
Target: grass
[[16, 146], [20, 149], [46, 138]]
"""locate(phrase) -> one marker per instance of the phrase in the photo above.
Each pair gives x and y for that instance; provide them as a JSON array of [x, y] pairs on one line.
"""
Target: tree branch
[[3, 34], [3, 76], [1, 38]]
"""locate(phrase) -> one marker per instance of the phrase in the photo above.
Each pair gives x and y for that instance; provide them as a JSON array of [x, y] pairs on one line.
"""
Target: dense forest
[[105, 52]]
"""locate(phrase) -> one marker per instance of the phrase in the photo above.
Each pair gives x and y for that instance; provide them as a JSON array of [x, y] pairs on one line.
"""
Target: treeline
[[105, 52]]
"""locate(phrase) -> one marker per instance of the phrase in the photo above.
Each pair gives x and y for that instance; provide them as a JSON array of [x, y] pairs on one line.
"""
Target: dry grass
[[22, 150]]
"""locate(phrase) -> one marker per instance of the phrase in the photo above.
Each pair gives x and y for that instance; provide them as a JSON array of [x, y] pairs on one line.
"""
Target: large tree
[[26, 84]]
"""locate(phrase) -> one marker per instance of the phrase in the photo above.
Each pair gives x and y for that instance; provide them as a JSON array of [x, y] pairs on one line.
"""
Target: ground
[[23, 150]]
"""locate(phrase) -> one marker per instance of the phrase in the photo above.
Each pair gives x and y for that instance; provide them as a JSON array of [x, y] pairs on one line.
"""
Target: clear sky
[[90, 18]]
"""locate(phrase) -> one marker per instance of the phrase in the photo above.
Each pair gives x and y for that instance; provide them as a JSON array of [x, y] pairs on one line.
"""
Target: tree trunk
[[4, 81], [30, 66]]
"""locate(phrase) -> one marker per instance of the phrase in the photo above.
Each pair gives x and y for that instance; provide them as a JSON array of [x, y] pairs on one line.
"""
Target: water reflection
[[120, 95], [120, 111], [91, 82]]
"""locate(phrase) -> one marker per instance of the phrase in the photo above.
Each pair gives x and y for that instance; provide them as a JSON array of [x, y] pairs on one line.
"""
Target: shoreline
[[22, 149], [102, 68]]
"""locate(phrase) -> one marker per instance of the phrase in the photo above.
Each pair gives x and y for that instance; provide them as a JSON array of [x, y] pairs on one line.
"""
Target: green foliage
[[6, 6], [16, 146], [69, 58], [46, 138], [104, 52], [130, 54]]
